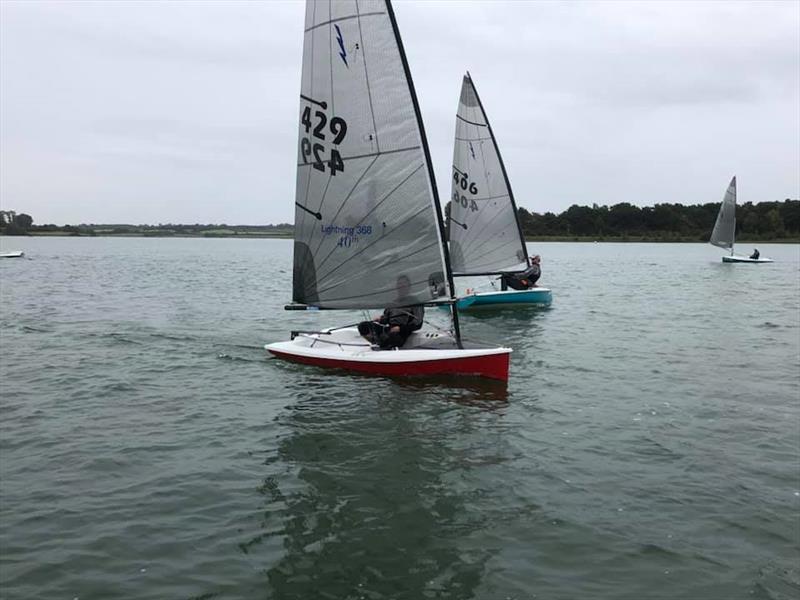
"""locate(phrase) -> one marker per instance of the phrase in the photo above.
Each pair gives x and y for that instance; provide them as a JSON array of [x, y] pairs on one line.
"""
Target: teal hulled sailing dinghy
[[505, 299], [485, 234]]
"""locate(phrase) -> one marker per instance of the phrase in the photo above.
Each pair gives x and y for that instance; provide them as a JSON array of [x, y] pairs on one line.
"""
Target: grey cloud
[[187, 111]]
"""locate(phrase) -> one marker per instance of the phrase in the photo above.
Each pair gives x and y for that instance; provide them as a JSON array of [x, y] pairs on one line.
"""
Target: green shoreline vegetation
[[624, 222]]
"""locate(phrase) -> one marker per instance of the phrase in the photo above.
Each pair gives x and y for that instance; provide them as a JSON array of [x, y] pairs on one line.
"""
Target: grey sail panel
[[484, 231], [725, 227], [365, 216]]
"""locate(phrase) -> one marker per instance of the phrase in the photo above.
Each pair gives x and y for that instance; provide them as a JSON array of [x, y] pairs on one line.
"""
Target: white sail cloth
[[485, 236], [366, 220], [725, 226]]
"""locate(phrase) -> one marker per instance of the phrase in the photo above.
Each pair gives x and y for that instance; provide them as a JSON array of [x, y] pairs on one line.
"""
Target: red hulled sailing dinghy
[[367, 213]]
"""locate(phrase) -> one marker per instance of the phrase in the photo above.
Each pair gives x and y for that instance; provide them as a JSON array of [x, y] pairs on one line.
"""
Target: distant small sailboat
[[485, 233], [16, 254], [368, 226], [725, 229]]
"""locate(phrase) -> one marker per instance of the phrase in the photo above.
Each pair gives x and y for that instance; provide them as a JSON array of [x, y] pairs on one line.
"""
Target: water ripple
[[645, 445]]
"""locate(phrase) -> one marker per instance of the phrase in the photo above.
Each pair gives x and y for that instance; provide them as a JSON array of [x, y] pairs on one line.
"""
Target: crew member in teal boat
[[525, 280], [755, 254], [392, 328]]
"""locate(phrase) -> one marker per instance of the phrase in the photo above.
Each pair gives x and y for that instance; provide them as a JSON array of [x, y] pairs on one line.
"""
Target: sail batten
[[366, 214], [485, 235], [460, 118], [725, 226], [369, 155]]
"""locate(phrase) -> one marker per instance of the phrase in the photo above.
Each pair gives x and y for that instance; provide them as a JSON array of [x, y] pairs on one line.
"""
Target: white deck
[[348, 345], [746, 259]]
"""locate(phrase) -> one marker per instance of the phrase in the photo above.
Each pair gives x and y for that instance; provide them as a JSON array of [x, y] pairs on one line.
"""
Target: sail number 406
[[313, 150], [461, 180]]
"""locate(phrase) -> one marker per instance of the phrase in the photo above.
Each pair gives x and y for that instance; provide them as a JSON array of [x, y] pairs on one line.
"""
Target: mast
[[733, 233], [431, 179], [503, 169]]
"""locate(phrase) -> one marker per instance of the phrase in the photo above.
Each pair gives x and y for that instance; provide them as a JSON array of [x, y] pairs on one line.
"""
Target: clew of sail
[[725, 227], [366, 215], [485, 235]]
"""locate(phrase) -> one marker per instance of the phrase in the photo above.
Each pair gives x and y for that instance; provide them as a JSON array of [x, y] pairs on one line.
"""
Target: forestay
[[365, 216], [485, 236], [724, 228]]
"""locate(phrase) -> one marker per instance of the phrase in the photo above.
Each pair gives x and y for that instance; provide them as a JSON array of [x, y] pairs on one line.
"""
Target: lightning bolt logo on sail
[[343, 52]]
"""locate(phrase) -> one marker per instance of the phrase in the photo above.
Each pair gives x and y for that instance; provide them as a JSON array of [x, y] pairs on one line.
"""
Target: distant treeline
[[160, 230], [662, 222], [12, 223], [763, 221]]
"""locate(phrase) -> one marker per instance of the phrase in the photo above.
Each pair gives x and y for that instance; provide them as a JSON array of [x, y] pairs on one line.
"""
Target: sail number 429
[[312, 147]]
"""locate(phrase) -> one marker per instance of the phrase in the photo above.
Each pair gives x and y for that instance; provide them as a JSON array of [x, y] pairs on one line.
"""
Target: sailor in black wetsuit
[[755, 254], [525, 280], [392, 328]]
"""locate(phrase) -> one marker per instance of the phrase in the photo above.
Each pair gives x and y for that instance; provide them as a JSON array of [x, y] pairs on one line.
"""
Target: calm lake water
[[647, 444]]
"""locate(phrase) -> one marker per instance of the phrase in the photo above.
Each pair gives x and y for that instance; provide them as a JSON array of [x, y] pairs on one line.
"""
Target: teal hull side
[[536, 297]]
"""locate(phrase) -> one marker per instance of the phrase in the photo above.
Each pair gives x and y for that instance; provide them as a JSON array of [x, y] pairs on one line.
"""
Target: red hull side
[[494, 366]]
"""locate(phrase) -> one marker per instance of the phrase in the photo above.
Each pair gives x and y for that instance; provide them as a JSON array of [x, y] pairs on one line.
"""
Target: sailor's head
[[536, 259], [403, 286]]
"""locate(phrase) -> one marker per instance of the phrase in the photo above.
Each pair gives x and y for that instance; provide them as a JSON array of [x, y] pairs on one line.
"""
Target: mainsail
[[367, 219], [725, 227], [485, 235]]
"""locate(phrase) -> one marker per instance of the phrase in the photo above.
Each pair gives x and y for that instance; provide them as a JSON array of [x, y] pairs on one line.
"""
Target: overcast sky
[[185, 112]]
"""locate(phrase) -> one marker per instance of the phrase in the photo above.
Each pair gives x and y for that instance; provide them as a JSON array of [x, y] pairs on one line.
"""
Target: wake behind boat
[[485, 233], [368, 226], [724, 232]]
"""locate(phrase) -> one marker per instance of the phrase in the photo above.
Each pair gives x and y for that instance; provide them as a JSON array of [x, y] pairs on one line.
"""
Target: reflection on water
[[508, 313], [519, 329], [487, 394], [469, 391], [376, 514]]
